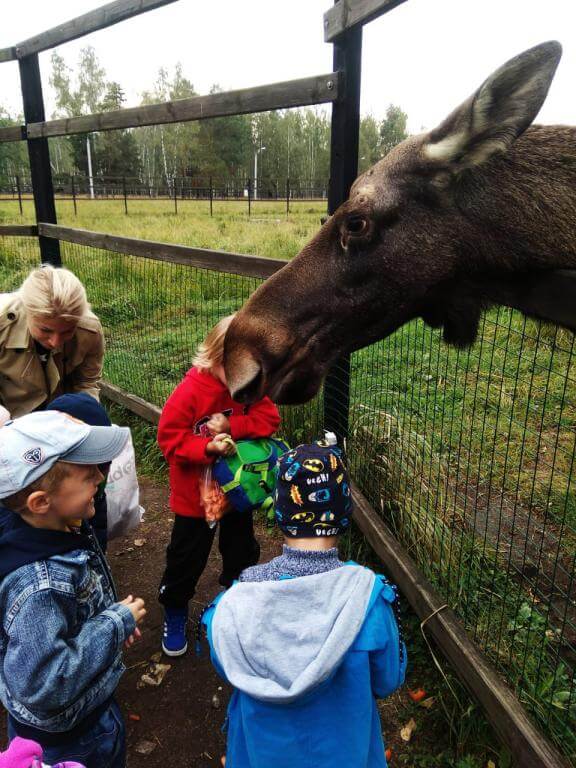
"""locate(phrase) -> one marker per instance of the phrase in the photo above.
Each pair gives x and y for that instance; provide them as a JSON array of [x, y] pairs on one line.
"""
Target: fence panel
[[469, 457]]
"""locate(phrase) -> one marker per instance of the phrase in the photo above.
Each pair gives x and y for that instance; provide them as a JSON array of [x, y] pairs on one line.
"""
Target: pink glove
[[23, 753]]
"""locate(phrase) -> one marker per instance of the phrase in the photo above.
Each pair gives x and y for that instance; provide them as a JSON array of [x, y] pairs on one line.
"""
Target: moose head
[[479, 211]]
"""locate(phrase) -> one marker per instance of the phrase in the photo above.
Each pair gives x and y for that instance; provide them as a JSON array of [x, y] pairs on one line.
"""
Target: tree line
[[276, 145]]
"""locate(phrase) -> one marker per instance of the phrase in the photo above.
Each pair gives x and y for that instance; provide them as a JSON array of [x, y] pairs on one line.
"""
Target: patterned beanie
[[312, 496]]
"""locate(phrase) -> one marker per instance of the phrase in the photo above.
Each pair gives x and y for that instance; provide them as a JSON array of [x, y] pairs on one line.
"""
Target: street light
[[260, 149]]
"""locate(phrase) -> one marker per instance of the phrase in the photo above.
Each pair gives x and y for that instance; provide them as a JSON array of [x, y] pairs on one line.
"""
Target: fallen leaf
[[156, 657], [428, 703], [408, 730], [216, 701], [135, 718], [155, 674], [139, 542], [491, 764], [417, 695], [145, 747]]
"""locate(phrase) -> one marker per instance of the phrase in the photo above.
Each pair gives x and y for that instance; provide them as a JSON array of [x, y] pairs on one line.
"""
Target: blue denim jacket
[[61, 639]]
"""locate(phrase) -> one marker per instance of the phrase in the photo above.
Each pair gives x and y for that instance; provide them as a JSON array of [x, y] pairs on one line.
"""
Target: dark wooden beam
[[293, 93], [204, 258], [102, 17], [18, 230], [133, 403], [7, 54], [12, 133], [39, 156], [348, 13], [529, 747]]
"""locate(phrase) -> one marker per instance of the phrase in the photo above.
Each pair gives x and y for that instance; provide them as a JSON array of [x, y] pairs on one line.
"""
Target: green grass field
[[468, 454]]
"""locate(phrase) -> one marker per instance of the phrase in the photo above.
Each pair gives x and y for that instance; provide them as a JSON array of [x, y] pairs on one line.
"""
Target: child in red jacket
[[195, 421]]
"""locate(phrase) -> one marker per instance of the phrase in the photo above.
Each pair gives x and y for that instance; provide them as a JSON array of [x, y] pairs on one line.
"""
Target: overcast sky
[[426, 55]]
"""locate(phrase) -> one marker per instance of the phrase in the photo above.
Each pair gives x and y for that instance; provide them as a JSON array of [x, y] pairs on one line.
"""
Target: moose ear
[[500, 110]]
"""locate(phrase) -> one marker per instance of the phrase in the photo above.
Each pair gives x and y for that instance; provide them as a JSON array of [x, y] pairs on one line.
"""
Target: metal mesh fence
[[468, 455]]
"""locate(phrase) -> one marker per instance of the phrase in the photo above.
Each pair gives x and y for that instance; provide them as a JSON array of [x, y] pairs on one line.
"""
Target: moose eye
[[356, 225]]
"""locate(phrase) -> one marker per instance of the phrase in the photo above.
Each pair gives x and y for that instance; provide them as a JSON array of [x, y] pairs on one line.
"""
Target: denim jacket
[[61, 638]]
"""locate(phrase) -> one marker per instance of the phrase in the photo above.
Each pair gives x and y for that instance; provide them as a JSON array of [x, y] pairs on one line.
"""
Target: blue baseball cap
[[32, 444]]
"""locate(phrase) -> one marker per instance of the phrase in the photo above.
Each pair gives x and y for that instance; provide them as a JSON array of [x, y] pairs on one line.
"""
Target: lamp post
[[260, 149]]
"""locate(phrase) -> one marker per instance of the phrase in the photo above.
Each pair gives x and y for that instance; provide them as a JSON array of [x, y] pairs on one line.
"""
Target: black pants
[[189, 549]]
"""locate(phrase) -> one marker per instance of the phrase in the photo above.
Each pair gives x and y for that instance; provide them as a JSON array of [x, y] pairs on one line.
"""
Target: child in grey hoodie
[[308, 642]]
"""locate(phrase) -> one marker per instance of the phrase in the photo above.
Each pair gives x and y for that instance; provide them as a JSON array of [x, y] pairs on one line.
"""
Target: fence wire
[[467, 455]]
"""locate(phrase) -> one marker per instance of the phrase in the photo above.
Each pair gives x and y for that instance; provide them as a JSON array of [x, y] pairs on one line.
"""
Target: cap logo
[[33, 456]]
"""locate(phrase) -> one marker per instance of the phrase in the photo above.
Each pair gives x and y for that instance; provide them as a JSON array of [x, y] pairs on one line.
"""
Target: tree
[[369, 151], [392, 129]]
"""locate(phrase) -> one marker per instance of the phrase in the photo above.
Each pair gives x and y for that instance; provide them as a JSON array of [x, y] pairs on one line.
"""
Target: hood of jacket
[[278, 640], [22, 544]]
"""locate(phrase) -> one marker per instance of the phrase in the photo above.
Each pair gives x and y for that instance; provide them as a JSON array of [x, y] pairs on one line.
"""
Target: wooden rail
[[204, 258], [293, 93], [102, 17], [348, 13], [7, 54], [18, 230], [12, 133]]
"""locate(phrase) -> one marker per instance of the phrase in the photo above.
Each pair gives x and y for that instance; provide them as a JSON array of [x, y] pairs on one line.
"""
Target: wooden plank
[[18, 230], [133, 403], [526, 743], [218, 261], [293, 93], [13, 133], [7, 54], [102, 17], [348, 13]]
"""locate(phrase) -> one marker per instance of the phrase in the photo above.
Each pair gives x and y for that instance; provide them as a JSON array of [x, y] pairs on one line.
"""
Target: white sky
[[426, 55]]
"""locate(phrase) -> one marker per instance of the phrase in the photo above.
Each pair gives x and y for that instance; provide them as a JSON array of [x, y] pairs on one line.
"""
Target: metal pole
[[74, 195], [19, 194], [249, 195], [287, 197], [39, 156], [89, 158], [211, 196], [175, 196], [125, 197], [343, 170]]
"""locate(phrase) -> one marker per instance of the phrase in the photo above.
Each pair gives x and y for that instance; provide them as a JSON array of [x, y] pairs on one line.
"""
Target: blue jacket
[[62, 629], [307, 656]]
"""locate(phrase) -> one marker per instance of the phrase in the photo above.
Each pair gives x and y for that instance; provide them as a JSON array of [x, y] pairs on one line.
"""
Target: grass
[[454, 448]]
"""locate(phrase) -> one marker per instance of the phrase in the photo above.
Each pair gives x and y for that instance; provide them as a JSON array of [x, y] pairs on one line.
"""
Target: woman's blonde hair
[[211, 352], [54, 292]]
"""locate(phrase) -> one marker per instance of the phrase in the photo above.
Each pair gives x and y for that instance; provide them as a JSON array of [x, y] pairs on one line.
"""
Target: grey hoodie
[[278, 640]]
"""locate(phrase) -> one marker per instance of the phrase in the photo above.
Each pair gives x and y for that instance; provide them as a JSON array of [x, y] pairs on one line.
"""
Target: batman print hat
[[312, 496]]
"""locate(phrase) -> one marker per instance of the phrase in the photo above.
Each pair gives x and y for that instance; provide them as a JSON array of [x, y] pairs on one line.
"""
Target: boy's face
[[73, 499]]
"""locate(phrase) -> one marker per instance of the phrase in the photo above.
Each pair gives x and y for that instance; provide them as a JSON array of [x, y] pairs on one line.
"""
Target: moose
[[480, 211]]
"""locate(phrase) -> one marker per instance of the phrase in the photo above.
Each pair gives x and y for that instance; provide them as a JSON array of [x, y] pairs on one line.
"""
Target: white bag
[[122, 494]]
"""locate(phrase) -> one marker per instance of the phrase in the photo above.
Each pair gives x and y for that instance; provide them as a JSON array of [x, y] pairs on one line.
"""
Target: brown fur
[[479, 211]]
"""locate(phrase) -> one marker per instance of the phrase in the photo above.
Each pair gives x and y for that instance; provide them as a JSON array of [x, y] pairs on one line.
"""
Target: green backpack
[[248, 478]]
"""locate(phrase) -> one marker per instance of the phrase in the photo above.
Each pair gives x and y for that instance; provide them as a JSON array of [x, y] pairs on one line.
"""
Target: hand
[[135, 606], [136, 635], [218, 423], [221, 446], [4, 416]]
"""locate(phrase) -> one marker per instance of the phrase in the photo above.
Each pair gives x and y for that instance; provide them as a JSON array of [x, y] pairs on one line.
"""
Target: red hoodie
[[183, 435]]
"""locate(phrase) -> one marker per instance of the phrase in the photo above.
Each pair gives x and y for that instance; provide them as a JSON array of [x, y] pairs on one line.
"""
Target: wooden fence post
[[19, 190], [39, 156]]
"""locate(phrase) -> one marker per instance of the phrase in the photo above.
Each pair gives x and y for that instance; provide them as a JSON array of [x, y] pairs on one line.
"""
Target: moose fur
[[480, 211]]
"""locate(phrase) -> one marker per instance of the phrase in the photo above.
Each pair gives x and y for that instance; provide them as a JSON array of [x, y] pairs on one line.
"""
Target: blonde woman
[[50, 341]]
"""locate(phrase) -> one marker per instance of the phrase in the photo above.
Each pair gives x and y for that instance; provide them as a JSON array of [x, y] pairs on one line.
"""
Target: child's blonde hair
[[211, 352], [54, 292]]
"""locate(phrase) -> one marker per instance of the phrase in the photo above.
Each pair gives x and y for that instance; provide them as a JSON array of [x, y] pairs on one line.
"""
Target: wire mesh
[[469, 457], [467, 454]]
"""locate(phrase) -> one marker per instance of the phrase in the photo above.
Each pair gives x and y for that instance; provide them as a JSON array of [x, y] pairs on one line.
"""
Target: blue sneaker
[[174, 641]]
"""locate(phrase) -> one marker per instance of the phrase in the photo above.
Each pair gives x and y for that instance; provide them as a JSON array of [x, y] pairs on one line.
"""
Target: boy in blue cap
[[307, 641], [62, 628]]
